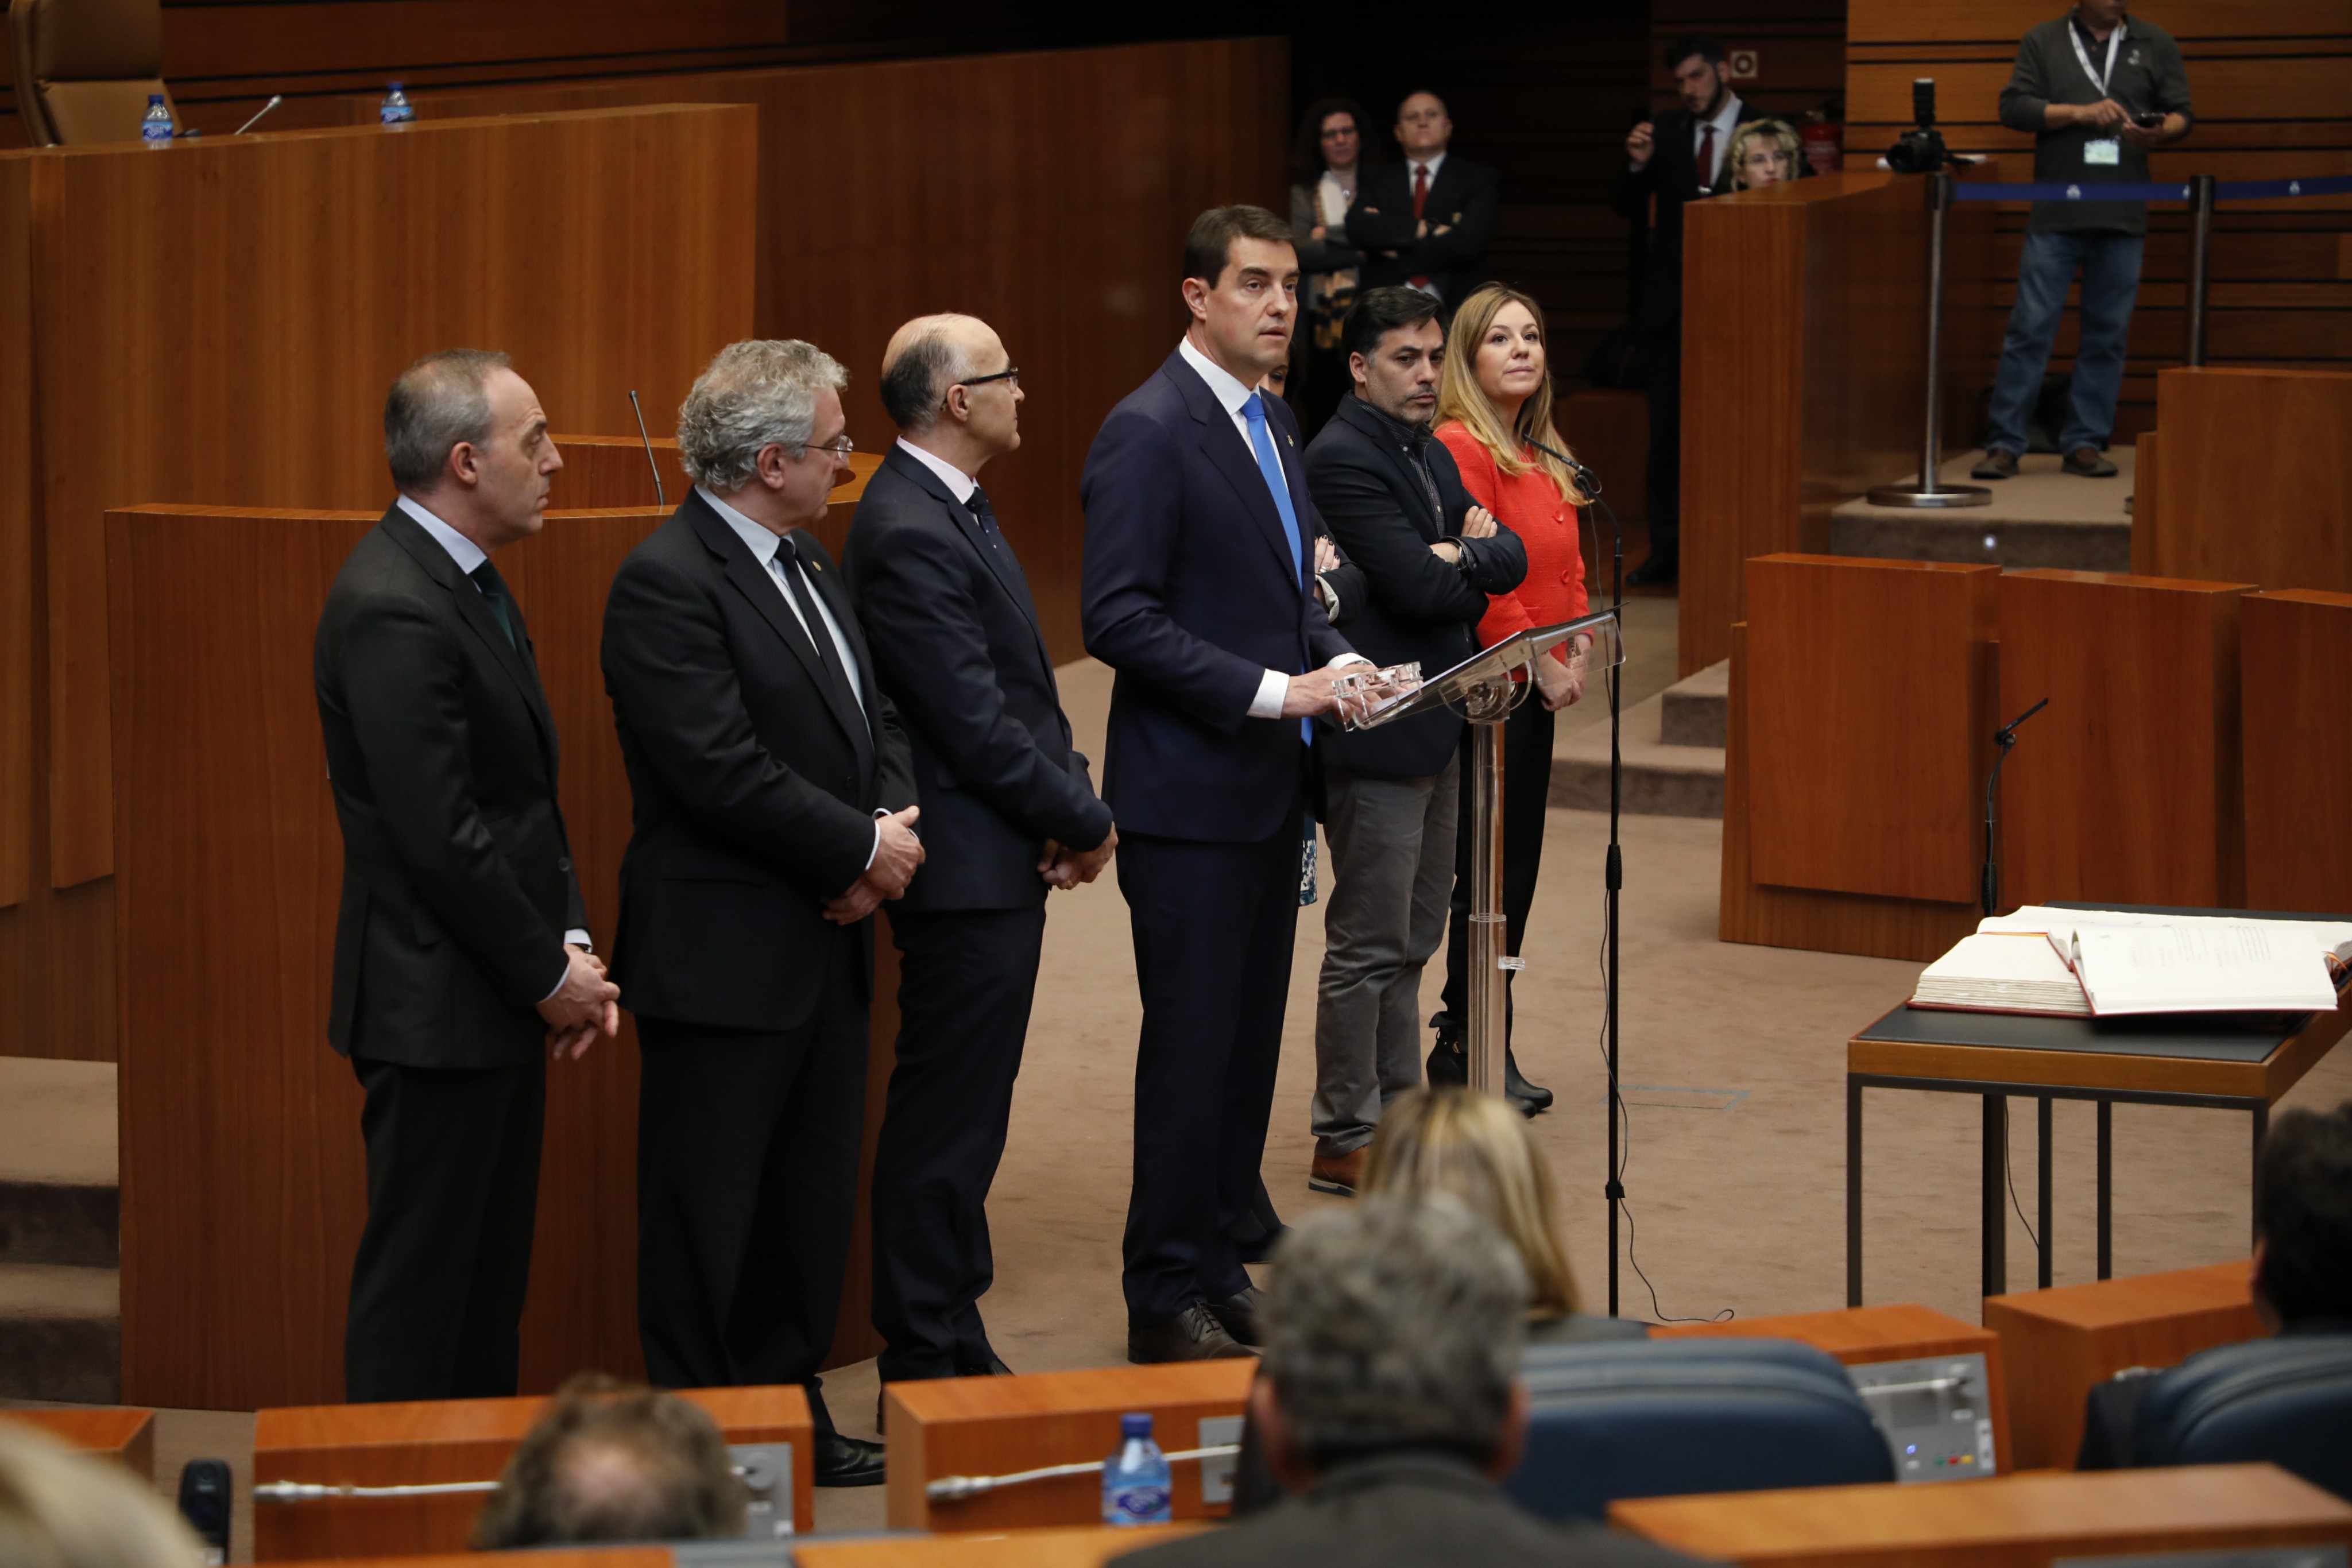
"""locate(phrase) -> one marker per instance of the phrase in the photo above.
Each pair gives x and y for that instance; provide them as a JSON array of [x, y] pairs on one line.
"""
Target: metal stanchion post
[[1929, 491], [1489, 998], [2200, 241]]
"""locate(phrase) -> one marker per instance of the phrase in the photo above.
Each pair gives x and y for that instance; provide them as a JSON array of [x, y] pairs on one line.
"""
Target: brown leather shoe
[[1337, 1173], [1237, 1316], [2090, 463], [1192, 1334], [1996, 464]]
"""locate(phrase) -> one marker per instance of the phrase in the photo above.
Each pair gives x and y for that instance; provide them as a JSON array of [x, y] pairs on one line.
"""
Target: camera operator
[[2098, 89]]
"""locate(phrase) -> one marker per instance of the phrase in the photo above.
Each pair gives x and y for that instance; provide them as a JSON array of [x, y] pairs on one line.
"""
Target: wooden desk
[[1859, 1336], [998, 1425], [450, 1440], [2060, 1344], [119, 1432], [1086, 1548], [1999, 1054], [2013, 1522]]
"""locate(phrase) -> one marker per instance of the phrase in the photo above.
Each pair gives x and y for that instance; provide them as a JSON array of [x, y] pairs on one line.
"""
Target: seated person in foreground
[[611, 1461], [1390, 1403], [59, 1509], [2303, 1264]]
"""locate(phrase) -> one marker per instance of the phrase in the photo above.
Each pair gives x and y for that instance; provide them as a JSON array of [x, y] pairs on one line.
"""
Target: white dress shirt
[[765, 544], [468, 557], [1232, 395], [960, 484], [1725, 119], [1433, 162]]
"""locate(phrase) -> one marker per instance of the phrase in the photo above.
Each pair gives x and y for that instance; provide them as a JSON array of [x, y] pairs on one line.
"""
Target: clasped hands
[[1064, 868], [584, 1005], [897, 853]]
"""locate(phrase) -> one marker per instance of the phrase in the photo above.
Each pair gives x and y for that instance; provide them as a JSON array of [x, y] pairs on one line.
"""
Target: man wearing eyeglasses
[[1010, 812], [775, 811]]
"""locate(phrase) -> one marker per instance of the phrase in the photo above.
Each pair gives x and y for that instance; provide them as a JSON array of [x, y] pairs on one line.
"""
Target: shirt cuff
[[1271, 689], [1344, 660], [570, 939], [1330, 597], [575, 937], [876, 848]]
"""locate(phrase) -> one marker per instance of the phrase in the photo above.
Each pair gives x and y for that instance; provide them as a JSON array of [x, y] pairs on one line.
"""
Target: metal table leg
[[2262, 1129], [2107, 1189], [1995, 1215], [1853, 1193], [2042, 1209]]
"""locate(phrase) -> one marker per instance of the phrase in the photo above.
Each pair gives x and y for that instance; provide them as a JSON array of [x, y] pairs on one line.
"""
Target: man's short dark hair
[[1209, 248], [1705, 45], [613, 1461], [1380, 312], [437, 402], [2303, 1214], [915, 382]]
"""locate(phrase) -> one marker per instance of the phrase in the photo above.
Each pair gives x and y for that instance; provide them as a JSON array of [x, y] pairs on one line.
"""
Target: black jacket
[[959, 651], [1417, 607], [1672, 176], [1464, 198], [458, 881], [754, 789], [1415, 1508]]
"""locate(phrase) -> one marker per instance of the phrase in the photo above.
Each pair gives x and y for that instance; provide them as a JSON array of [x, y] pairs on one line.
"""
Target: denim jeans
[[2109, 264]]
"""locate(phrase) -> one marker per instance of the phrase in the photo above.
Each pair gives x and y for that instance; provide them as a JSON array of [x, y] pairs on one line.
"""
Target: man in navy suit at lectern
[[1198, 590]]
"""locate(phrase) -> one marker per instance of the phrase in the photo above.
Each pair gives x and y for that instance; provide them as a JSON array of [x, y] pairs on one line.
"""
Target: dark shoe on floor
[[1997, 464], [847, 1461], [1337, 1173], [993, 1367], [1237, 1316], [2090, 463], [1526, 1097], [1447, 1062], [1192, 1334], [1658, 571]]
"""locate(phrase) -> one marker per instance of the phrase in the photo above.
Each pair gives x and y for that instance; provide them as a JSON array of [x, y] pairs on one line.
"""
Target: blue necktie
[[1270, 466]]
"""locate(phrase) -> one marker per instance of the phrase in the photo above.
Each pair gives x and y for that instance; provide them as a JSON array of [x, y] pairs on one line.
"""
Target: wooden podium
[[2292, 646], [2242, 479]]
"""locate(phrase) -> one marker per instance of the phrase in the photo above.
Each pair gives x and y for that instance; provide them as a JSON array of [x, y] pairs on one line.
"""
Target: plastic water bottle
[[1135, 1478], [396, 110], [156, 130]]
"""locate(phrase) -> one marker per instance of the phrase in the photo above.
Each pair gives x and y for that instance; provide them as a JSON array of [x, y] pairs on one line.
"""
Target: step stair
[[1673, 747], [60, 1283]]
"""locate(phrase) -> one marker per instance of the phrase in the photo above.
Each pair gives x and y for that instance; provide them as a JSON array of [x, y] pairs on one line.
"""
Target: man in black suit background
[[775, 811], [1197, 589], [461, 943], [1429, 556], [1677, 160], [1425, 223], [1011, 811]]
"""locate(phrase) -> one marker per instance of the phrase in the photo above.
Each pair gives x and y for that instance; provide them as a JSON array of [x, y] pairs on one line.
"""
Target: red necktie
[[1705, 156], [1420, 201]]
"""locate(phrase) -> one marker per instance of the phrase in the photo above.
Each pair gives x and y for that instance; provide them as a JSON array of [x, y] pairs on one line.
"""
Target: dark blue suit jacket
[[1190, 595], [958, 651]]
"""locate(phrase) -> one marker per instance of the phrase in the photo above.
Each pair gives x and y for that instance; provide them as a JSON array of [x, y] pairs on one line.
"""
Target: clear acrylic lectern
[[1481, 690]]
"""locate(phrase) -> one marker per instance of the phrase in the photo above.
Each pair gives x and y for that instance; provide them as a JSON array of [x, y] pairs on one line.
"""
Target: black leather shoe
[[1528, 1097], [1237, 1316], [993, 1367], [847, 1461], [1450, 1064], [1192, 1334]]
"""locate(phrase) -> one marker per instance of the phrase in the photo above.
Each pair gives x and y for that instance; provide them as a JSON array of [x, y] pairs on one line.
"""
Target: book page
[[2211, 966]]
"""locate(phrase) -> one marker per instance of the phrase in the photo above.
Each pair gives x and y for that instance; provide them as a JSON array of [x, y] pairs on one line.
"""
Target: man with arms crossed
[[1010, 812], [1198, 591], [1429, 556], [774, 812], [461, 945]]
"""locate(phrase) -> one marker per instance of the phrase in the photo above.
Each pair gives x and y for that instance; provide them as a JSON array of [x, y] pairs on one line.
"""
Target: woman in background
[[1324, 164], [1493, 404], [1762, 152]]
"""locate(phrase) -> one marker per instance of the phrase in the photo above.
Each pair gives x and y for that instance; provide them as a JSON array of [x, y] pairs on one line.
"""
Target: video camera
[[1920, 150]]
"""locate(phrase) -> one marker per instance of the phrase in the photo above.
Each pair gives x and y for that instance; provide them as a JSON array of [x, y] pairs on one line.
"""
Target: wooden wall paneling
[[1751, 910], [2250, 485], [2125, 789], [1865, 724], [219, 323], [2298, 765], [17, 501]]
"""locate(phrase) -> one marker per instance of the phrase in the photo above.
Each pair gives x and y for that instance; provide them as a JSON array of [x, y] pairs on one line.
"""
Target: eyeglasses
[[1012, 375], [841, 448]]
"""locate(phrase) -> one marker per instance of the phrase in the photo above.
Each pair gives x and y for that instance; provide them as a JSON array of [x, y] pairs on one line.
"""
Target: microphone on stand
[[2005, 738], [275, 99], [660, 499]]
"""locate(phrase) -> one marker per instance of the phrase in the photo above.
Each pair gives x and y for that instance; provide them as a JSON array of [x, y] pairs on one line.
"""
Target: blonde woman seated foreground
[[62, 1509]]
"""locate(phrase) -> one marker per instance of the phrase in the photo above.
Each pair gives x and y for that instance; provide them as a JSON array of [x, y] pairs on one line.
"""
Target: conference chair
[[85, 68], [2287, 1400], [1665, 1417]]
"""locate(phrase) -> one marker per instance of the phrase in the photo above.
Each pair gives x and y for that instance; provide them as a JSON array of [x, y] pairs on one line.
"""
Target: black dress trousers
[[966, 977], [452, 1191], [747, 1179]]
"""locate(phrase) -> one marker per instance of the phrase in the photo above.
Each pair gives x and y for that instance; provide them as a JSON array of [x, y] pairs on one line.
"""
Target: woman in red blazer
[[1496, 396]]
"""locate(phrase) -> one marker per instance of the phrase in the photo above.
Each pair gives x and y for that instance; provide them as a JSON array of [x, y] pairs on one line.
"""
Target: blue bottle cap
[[1135, 1426], [153, 99]]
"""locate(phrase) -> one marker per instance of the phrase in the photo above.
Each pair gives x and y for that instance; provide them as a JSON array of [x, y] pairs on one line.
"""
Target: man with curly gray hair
[[775, 811]]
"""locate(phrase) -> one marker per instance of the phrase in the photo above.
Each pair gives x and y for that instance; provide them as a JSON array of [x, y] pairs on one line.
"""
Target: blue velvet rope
[[2226, 190]]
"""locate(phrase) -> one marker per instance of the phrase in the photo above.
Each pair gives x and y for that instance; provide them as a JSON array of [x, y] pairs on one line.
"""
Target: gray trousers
[[1391, 843]]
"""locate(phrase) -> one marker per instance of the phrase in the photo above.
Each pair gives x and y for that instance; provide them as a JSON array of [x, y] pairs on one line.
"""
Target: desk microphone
[[2005, 738], [1586, 479], [275, 99], [660, 499]]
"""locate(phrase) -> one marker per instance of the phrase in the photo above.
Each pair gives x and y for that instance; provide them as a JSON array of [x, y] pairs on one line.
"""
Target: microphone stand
[[1614, 879], [2005, 738]]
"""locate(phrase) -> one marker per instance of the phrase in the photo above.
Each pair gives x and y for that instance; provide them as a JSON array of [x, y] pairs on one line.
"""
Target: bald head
[[946, 387]]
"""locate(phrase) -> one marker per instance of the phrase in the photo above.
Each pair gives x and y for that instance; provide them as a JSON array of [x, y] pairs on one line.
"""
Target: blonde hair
[[1476, 1148], [1775, 131], [1460, 397], [59, 1509]]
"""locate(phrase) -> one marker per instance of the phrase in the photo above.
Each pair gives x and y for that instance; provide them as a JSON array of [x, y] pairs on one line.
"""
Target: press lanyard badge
[[2106, 151], [2109, 151]]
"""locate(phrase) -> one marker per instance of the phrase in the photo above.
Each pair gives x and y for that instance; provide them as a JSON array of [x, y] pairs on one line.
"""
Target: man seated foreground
[[1390, 1403], [610, 1461]]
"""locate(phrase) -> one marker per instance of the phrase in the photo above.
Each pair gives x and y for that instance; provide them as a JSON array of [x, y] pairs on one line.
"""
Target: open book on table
[[2114, 963]]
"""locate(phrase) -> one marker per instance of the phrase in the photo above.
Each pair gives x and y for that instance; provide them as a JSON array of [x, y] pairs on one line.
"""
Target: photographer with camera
[[2097, 89]]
